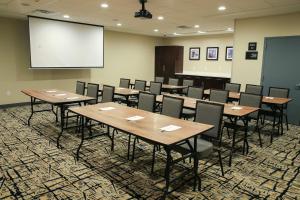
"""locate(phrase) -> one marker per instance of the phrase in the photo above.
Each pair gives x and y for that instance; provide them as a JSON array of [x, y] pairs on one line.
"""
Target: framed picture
[[212, 53], [252, 46], [229, 53], [194, 53]]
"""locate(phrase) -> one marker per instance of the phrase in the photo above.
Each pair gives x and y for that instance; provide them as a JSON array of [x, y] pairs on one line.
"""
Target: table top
[[166, 86], [229, 109], [148, 128], [55, 96], [122, 91], [265, 99]]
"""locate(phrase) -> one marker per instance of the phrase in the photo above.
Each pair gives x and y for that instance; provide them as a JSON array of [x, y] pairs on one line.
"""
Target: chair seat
[[188, 113], [204, 148]]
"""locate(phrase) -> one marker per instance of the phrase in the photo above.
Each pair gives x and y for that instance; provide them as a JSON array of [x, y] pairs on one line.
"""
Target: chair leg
[[133, 150], [228, 134], [153, 160], [286, 122], [220, 161]]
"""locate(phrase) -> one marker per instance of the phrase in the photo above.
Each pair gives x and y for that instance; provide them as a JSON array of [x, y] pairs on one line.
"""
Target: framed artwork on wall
[[229, 53], [212, 53], [194, 53]]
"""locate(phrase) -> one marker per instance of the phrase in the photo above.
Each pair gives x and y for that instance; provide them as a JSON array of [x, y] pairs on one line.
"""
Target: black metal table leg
[[82, 137], [233, 141], [281, 118], [32, 111], [246, 138], [167, 171], [196, 164], [128, 150], [62, 122]]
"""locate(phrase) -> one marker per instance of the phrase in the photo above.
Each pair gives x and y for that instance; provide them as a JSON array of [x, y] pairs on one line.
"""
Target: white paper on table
[[72, 98], [269, 97], [135, 118], [107, 108], [170, 128], [236, 108], [51, 91], [60, 94]]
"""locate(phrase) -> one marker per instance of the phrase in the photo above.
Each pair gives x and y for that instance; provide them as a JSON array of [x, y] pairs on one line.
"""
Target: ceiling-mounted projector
[[143, 13]]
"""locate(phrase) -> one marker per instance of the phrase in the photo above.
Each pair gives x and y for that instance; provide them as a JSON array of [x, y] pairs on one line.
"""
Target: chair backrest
[[124, 83], [172, 106], [80, 87], [159, 79], [254, 89], [147, 101], [252, 100], [155, 88], [92, 91], [219, 95], [195, 92], [140, 85], [188, 83], [210, 113], [233, 87], [279, 92], [107, 93], [173, 81]]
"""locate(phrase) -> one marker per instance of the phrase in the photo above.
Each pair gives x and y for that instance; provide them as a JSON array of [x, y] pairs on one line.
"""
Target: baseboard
[[4, 106]]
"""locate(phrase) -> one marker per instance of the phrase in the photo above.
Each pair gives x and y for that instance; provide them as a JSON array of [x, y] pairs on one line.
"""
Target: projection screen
[[64, 44]]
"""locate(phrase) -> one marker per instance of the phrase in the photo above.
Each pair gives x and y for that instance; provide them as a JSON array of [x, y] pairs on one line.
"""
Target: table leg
[[246, 137], [281, 118], [62, 123], [82, 137], [167, 171], [128, 150], [32, 111], [233, 140], [196, 164]]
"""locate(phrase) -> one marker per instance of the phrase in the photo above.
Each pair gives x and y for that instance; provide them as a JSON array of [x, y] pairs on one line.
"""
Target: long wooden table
[[275, 103], [54, 97], [229, 111], [165, 86], [149, 127]]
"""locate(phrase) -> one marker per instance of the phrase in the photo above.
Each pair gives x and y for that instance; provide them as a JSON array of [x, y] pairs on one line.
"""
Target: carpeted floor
[[31, 167]]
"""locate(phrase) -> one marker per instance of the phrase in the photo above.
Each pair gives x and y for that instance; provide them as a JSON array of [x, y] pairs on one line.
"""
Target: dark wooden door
[[168, 61]]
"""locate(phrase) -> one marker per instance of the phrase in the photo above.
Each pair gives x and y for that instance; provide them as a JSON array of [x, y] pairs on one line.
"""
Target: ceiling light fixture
[[196, 26], [119, 24], [66, 16], [155, 30], [222, 8], [201, 32], [160, 18], [104, 5], [230, 29]]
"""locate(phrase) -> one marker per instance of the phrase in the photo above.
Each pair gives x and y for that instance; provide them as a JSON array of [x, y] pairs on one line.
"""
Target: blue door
[[281, 68]]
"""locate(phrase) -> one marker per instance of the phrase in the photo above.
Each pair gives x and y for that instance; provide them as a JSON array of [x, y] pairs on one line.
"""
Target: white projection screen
[[62, 44]]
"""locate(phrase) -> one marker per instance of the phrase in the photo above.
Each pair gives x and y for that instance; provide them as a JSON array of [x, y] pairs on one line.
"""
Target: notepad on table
[[236, 108], [72, 98], [170, 128], [51, 91], [107, 108], [62, 94], [135, 118], [269, 97]]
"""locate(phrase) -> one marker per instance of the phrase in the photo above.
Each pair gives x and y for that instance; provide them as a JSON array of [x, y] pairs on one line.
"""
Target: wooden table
[[124, 92], [244, 112], [165, 86], [147, 128], [275, 103], [55, 98]]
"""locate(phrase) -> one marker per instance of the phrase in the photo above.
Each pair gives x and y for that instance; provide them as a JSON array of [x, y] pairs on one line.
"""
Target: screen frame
[[45, 18]]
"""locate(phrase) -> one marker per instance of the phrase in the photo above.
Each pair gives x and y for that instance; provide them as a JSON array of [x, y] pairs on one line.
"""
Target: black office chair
[[254, 89], [233, 87], [193, 92], [189, 83], [220, 96]]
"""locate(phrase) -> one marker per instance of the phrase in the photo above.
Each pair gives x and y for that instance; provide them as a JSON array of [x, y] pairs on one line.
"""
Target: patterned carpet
[[31, 167]]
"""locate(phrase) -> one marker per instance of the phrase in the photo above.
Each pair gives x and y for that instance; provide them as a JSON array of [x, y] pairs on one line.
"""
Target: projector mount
[[143, 13]]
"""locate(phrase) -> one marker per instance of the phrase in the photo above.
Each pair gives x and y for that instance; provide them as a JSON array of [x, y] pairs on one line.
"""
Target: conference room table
[[159, 129], [54, 97], [275, 103], [165, 87], [235, 112]]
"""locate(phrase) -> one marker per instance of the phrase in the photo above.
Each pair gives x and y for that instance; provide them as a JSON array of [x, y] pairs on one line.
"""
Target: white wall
[[255, 30]]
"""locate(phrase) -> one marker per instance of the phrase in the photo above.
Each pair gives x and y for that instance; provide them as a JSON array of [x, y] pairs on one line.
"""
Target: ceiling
[[176, 13]]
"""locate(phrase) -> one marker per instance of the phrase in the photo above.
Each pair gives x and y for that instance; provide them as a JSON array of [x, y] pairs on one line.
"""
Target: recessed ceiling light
[[104, 5], [221, 8], [230, 29], [201, 32], [155, 30], [66, 16], [196, 26], [119, 24], [160, 18]]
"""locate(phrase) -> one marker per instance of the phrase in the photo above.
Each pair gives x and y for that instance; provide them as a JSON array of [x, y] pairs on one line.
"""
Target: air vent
[[184, 27], [45, 12]]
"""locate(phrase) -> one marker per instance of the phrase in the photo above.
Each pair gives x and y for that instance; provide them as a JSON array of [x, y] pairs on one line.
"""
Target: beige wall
[[255, 30], [126, 55], [220, 67]]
